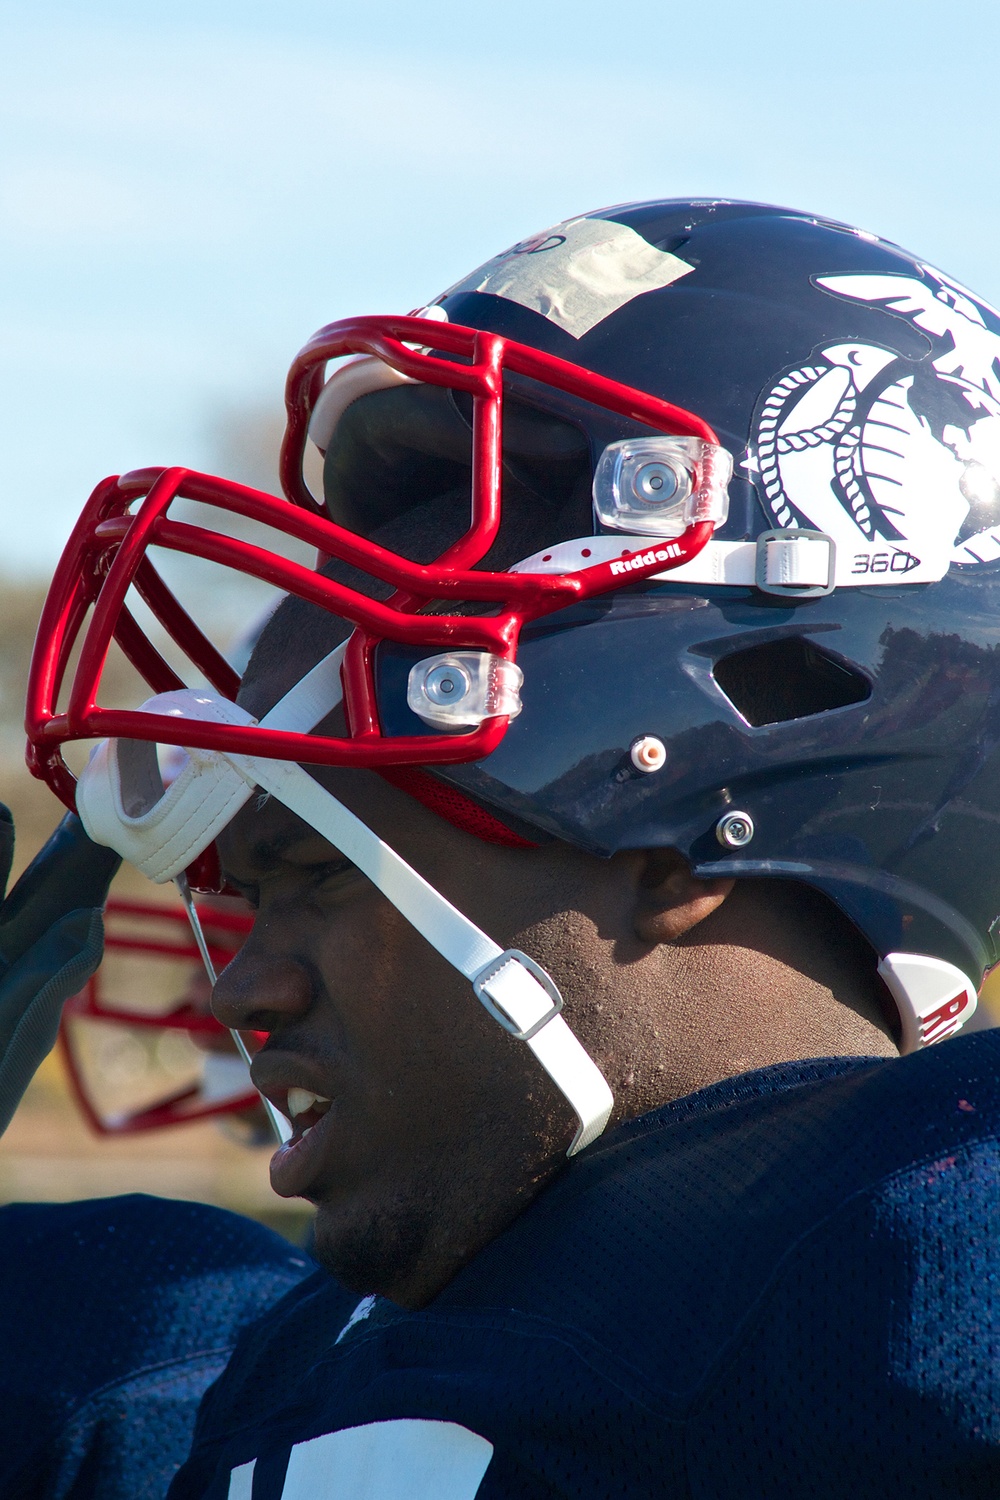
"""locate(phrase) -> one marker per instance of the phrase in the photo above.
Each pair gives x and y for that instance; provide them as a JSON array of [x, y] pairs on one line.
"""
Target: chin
[[382, 1252]]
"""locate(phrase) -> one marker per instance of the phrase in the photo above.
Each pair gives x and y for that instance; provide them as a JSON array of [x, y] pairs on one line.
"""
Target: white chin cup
[[123, 804]]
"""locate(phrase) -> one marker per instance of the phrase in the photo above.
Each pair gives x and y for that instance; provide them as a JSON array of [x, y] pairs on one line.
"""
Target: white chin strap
[[123, 804]]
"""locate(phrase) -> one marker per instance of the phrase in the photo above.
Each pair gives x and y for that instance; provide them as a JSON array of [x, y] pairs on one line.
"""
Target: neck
[[775, 975]]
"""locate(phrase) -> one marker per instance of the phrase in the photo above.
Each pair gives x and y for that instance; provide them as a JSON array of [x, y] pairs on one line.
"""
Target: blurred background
[[188, 191]]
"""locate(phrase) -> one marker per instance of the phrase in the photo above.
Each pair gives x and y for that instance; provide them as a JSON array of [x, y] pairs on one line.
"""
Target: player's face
[[432, 1127]]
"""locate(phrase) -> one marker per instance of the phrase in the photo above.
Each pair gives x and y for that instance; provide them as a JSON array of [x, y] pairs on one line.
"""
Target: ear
[[670, 901]]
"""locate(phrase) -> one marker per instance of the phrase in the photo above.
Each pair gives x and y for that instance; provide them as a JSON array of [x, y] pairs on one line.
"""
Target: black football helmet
[[836, 726], [767, 448]]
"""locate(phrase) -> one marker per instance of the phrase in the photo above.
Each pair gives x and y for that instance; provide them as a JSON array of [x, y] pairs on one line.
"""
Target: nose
[[260, 988]]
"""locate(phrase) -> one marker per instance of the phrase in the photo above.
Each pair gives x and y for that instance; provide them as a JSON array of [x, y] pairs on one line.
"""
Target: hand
[[51, 941]]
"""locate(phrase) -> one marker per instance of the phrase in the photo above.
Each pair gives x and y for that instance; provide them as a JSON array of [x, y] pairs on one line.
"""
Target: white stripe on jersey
[[401, 1460], [241, 1481]]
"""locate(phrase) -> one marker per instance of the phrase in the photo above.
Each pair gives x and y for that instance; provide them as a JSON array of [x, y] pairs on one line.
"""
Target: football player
[[618, 801]]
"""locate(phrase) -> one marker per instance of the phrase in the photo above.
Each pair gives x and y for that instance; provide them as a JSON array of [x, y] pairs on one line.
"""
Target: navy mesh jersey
[[785, 1285], [115, 1315]]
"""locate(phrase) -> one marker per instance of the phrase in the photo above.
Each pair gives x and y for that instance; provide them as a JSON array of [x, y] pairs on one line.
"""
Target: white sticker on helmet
[[576, 274], [898, 461]]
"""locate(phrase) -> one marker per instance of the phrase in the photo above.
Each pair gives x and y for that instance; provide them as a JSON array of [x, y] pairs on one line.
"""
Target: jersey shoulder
[[596, 1336], [635, 1249]]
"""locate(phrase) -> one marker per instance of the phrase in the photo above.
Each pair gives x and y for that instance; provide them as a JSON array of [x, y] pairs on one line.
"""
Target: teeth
[[301, 1101]]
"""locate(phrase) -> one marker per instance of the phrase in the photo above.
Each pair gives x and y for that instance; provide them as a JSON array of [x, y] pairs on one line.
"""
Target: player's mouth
[[296, 1163]]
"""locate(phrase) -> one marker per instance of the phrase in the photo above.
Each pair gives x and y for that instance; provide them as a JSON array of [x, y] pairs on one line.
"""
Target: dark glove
[[51, 941]]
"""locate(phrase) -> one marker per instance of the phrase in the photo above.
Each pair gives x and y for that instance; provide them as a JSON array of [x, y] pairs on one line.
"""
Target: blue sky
[[187, 190]]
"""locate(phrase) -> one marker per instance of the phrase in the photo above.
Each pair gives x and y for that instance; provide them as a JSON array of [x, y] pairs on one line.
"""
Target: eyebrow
[[265, 852]]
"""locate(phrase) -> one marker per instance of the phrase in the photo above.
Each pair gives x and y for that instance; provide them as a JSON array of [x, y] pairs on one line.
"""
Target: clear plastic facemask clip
[[459, 689], [659, 486]]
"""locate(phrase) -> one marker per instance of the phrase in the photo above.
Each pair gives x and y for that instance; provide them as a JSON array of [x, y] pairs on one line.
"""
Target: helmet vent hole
[[787, 679]]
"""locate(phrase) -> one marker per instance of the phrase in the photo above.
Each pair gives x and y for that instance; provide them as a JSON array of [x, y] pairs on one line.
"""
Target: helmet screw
[[734, 830], [648, 753]]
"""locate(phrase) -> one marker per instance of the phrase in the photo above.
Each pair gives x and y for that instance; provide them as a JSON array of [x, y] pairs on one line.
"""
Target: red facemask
[[108, 554]]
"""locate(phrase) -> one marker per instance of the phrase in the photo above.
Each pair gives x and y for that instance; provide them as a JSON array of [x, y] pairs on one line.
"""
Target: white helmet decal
[[888, 456]]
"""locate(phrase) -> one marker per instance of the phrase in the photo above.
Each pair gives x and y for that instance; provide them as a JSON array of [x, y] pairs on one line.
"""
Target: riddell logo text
[[945, 1020], [645, 559]]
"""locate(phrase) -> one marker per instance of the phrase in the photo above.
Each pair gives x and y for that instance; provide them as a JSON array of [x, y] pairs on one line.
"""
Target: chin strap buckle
[[500, 988], [795, 563]]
